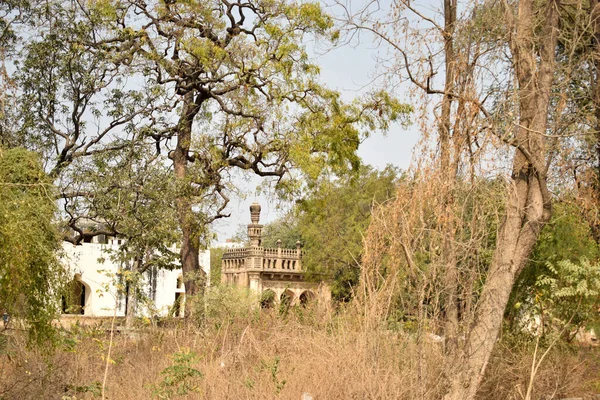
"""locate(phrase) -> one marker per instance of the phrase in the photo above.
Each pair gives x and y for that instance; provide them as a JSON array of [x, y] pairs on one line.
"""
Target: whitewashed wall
[[100, 295]]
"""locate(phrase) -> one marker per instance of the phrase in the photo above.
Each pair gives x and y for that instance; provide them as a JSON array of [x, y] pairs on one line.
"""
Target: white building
[[94, 291]]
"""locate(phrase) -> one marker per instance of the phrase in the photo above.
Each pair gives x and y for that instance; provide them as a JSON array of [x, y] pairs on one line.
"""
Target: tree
[[132, 200], [31, 275], [553, 286], [245, 94], [71, 103], [284, 229], [528, 200], [514, 103], [332, 221]]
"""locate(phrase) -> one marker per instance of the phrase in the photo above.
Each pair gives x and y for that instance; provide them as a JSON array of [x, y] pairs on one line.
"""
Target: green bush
[[225, 304], [180, 378]]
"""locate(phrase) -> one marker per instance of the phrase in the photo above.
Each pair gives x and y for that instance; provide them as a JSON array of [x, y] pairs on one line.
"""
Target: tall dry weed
[[241, 353]]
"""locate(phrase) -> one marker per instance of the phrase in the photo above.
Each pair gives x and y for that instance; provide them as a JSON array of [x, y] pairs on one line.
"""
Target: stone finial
[[255, 213], [278, 243], [298, 244]]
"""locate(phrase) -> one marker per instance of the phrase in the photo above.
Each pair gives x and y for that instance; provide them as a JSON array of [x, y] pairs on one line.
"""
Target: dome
[[255, 207], [255, 212]]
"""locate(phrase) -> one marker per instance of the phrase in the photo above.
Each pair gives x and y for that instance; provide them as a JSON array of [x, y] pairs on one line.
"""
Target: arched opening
[[287, 297], [76, 298], [285, 301], [179, 305], [178, 308], [267, 299], [306, 297]]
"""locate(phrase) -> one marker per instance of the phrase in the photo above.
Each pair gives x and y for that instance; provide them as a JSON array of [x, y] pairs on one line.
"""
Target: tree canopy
[[215, 86], [330, 222], [31, 274]]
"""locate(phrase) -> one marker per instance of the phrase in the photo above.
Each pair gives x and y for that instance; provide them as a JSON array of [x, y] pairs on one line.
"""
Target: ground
[[249, 353]]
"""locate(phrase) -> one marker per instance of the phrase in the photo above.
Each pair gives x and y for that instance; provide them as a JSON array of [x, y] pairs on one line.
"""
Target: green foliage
[[561, 279], [30, 271], [284, 229], [133, 198], [267, 299], [569, 293], [216, 254], [332, 221], [285, 305], [179, 379], [273, 368], [566, 237], [224, 305], [251, 90], [94, 388]]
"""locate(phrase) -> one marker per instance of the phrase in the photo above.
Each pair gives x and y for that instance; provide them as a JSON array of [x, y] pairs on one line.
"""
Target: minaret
[[255, 229]]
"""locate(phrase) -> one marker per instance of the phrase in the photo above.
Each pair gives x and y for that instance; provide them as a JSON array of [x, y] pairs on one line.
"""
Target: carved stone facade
[[277, 271]]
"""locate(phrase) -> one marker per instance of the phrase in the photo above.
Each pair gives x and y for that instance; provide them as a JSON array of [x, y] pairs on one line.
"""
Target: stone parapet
[[266, 259], [277, 271]]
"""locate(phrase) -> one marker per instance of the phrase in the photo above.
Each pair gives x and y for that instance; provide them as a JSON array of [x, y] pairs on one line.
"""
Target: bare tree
[[496, 63]]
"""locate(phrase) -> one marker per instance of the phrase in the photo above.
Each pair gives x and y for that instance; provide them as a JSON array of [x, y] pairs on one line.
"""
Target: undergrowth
[[241, 352]]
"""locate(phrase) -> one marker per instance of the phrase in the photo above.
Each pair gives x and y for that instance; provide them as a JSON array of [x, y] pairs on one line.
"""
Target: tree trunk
[[595, 22], [448, 167], [131, 306], [190, 244], [132, 293], [528, 206]]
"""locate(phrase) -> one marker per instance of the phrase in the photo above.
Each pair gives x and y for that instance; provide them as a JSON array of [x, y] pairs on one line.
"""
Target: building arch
[[287, 297], [268, 298], [307, 297], [77, 298]]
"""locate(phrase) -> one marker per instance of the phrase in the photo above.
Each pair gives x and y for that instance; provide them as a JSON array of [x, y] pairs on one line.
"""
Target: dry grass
[[260, 355]]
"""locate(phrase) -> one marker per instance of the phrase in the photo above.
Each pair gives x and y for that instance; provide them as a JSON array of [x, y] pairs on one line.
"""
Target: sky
[[350, 70]]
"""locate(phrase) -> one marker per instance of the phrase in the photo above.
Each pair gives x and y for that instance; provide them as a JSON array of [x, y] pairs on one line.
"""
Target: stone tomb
[[275, 273]]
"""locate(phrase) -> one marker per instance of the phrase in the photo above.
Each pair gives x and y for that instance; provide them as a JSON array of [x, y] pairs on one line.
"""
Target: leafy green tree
[[132, 201], [284, 229], [31, 274], [330, 223], [71, 103], [245, 93], [567, 297], [333, 221]]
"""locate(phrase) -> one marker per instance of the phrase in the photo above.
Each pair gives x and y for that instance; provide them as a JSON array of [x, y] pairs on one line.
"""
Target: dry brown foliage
[[403, 265], [566, 373], [265, 356]]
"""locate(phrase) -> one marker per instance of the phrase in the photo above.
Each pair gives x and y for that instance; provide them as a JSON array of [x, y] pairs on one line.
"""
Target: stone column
[[255, 282]]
